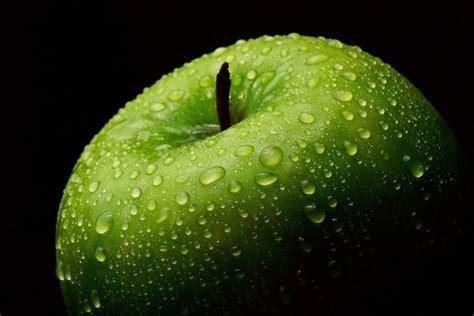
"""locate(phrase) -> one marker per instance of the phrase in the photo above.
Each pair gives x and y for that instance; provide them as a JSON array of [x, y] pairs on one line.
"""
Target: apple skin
[[334, 163]]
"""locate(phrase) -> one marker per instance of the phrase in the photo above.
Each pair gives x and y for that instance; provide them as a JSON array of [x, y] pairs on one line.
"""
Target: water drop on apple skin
[[266, 178], [100, 254], [306, 118], [244, 151], [271, 156], [212, 175], [104, 223]]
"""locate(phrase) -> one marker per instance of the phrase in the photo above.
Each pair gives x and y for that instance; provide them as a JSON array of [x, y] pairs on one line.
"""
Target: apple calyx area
[[222, 96]]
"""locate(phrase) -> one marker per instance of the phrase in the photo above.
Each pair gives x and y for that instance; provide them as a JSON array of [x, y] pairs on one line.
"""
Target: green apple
[[330, 157]]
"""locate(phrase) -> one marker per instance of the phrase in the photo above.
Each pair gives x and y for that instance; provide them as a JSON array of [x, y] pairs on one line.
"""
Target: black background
[[68, 66]]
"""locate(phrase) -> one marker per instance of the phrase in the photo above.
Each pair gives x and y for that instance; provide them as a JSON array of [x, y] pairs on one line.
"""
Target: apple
[[321, 164]]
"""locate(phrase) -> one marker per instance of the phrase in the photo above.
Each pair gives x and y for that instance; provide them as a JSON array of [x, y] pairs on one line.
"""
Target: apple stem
[[222, 96]]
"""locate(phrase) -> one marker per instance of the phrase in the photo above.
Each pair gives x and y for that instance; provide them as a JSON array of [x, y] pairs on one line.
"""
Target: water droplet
[[294, 157], [266, 178], [151, 205], [211, 175], [251, 74], [307, 187], [100, 254], [157, 107], [202, 220], [104, 222], [234, 186], [235, 251], [86, 306], [363, 133], [342, 95], [133, 210], [306, 118], [319, 148], [348, 115], [271, 156], [243, 213], [162, 215], [95, 299], [351, 148], [157, 180], [349, 76], [244, 151], [316, 59], [335, 43], [134, 174], [301, 143], [210, 205], [150, 169], [136, 192], [207, 234], [416, 169], [312, 83], [205, 81], [314, 214], [94, 186], [182, 198], [183, 250], [169, 161], [60, 271], [383, 125], [362, 113], [175, 95]]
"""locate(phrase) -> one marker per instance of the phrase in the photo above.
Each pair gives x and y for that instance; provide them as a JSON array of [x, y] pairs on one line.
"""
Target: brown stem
[[222, 96]]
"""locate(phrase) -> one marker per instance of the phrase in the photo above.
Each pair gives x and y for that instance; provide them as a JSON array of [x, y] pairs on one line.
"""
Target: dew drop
[[363, 133], [348, 115], [235, 251], [175, 95], [100, 254], [266, 178], [60, 271], [301, 143], [416, 169], [314, 214], [312, 83], [95, 299], [162, 215], [94, 186], [205, 81], [157, 180], [234, 186], [306, 118], [335, 43], [351, 149], [349, 76], [104, 222], [342, 95], [86, 306], [136, 192], [150, 169], [244, 151], [316, 59], [182, 198], [319, 148], [243, 213], [271, 156], [212, 175], [157, 107], [307, 187], [251, 74]]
